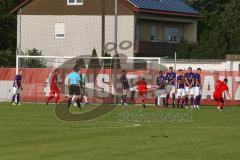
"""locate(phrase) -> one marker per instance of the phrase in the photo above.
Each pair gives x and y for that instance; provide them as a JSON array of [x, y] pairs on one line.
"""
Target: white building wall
[[82, 34]]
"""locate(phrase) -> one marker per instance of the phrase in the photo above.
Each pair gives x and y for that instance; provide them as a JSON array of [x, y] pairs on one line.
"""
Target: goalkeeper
[[84, 93]]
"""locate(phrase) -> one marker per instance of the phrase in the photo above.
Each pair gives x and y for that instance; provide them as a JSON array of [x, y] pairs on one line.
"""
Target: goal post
[[25, 61], [37, 71]]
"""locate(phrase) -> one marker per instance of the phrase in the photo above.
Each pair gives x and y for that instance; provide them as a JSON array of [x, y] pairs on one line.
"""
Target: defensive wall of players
[[100, 86]]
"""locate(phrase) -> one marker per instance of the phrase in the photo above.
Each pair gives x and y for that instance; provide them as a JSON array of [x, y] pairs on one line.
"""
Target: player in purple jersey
[[197, 88], [189, 89], [125, 87], [180, 88], [171, 89], [161, 89], [17, 88]]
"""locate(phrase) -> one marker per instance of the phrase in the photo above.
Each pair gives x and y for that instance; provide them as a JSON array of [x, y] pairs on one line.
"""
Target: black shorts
[[74, 90]]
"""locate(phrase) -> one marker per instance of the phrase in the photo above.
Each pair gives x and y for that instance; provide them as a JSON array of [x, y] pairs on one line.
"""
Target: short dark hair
[[189, 67], [199, 69], [170, 68], [76, 68], [180, 70], [56, 70], [225, 80]]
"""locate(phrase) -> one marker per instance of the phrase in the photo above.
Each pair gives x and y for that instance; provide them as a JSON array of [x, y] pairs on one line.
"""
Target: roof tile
[[178, 6]]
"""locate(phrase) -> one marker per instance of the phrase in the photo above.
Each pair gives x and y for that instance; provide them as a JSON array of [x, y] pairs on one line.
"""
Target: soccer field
[[32, 132]]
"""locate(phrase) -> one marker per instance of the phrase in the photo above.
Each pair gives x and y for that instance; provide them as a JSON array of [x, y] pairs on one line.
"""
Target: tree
[[7, 58], [94, 62], [80, 63], [230, 27], [8, 32], [217, 31], [107, 62], [33, 62], [116, 63]]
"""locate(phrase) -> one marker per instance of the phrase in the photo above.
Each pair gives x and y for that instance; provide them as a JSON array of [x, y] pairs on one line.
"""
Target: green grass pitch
[[32, 132]]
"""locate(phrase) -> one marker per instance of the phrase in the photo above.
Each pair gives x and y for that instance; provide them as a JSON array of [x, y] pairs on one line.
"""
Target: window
[[74, 2], [172, 34], [59, 30], [153, 33]]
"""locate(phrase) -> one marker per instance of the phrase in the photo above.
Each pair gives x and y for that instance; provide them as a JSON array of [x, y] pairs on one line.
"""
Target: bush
[[33, 62]]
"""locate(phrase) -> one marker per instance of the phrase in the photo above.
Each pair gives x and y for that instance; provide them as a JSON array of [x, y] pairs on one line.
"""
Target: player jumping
[[189, 89], [219, 89], [180, 88], [54, 88], [17, 88], [171, 89]]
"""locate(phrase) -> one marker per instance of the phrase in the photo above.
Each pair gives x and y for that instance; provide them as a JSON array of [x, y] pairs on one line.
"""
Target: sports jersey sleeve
[[226, 88]]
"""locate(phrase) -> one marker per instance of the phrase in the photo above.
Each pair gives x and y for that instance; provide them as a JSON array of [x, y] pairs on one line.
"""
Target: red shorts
[[54, 91], [220, 101], [142, 93]]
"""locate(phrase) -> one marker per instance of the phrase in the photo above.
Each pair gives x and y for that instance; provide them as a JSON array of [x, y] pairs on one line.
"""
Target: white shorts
[[161, 93], [189, 91], [16, 91], [171, 89], [131, 89], [124, 92], [181, 92], [197, 91]]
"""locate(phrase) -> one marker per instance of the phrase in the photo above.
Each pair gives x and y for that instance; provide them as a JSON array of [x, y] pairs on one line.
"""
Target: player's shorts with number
[[16, 90], [181, 92], [189, 91], [161, 93]]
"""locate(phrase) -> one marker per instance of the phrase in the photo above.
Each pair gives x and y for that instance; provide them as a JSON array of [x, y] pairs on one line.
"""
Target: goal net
[[102, 75]]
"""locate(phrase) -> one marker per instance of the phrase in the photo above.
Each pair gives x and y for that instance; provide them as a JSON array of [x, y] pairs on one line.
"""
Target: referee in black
[[74, 84]]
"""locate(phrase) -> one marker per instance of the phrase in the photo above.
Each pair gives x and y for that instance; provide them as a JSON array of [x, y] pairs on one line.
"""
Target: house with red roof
[[147, 28]]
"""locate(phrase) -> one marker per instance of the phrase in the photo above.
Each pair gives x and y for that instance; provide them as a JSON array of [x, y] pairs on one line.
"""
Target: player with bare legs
[[189, 89], [180, 88], [142, 90], [17, 88], [171, 88], [54, 88], [219, 89]]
